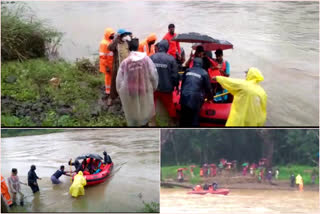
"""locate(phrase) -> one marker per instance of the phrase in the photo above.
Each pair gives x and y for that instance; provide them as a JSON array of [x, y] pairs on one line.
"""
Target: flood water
[[279, 38], [135, 176], [240, 201]]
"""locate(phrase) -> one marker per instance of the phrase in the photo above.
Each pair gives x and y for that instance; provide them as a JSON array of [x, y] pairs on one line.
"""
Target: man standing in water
[[120, 48], [136, 81], [174, 47], [32, 179], [249, 107]]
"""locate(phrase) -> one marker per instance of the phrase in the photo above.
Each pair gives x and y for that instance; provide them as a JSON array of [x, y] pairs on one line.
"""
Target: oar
[[220, 95], [71, 169]]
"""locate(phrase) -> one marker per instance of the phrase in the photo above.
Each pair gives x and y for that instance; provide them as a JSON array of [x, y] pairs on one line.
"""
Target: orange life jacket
[[5, 192], [174, 46], [201, 172], [106, 56], [144, 46]]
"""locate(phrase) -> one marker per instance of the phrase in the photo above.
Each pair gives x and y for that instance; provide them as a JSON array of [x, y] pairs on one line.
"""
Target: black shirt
[[58, 173]]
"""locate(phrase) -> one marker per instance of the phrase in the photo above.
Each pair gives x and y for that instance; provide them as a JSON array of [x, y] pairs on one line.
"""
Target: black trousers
[[189, 117], [34, 188]]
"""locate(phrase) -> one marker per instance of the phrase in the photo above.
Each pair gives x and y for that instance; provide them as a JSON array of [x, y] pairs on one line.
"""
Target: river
[[279, 38], [240, 201], [135, 176]]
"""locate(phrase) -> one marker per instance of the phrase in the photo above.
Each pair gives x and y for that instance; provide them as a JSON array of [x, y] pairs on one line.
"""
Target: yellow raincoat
[[77, 187], [249, 107]]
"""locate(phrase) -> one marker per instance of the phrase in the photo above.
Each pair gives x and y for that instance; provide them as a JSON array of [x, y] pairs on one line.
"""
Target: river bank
[[77, 98]]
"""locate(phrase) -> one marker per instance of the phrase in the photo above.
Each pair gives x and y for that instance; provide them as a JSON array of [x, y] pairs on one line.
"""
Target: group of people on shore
[[144, 73], [10, 192]]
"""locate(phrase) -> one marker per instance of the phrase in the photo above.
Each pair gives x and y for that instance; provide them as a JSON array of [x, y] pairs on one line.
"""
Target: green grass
[[152, 207], [304, 171], [170, 172], [78, 89]]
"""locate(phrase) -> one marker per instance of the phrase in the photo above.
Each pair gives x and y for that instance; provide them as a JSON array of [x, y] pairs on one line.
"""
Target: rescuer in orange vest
[[147, 45], [5, 192], [106, 58]]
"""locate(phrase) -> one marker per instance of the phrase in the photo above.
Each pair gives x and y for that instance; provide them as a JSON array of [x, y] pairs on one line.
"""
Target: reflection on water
[[280, 38], [135, 154], [240, 201]]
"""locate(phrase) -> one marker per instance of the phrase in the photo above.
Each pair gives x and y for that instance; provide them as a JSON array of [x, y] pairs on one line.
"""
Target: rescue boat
[[212, 114], [218, 191], [102, 176]]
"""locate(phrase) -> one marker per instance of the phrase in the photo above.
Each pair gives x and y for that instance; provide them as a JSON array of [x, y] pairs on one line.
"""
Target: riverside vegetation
[[40, 89]]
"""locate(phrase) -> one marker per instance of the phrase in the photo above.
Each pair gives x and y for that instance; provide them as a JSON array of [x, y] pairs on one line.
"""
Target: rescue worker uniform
[[174, 47], [167, 69], [195, 86], [106, 58], [144, 45], [5, 192]]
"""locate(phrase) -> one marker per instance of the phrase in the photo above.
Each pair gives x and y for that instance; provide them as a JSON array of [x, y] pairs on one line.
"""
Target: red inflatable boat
[[99, 177], [102, 176], [211, 113], [218, 191]]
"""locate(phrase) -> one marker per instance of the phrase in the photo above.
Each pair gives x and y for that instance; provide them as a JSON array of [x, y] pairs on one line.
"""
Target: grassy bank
[[27, 132], [170, 172], [36, 91], [30, 99], [304, 171]]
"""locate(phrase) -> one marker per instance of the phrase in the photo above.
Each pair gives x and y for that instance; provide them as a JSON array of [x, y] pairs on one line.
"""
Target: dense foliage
[[282, 146], [23, 36]]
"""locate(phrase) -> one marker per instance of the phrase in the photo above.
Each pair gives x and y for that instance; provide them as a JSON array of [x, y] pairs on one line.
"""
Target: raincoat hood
[[163, 46], [136, 56], [80, 173], [108, 32], [197, 62], [151, 37], [254, 74]]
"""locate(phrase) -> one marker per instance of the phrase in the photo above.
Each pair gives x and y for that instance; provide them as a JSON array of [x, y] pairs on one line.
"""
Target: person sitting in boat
[[199, 53], [205, 186], [97, 167], [219, 68], [197, 188], [107, 158], [55, 177], [214, 186], [91, 165]]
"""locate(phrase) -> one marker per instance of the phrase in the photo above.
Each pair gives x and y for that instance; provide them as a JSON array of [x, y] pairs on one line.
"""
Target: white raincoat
[[136, 81]]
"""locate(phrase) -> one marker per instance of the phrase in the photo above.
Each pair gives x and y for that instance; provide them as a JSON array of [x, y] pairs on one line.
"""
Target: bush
[[23, 36]]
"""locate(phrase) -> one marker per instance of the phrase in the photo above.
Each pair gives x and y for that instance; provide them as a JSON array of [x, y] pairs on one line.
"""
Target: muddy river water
[[135, 176], [280, 38], [240, 201]]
